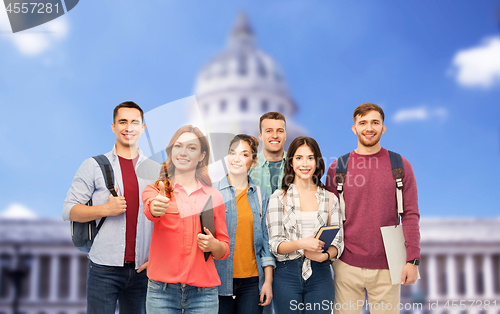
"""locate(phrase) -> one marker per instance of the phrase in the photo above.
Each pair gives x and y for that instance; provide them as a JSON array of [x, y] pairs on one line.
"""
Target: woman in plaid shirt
[[303, 279]]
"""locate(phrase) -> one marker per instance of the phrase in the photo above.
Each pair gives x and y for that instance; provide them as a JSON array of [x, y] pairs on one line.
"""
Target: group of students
[[267, 211]]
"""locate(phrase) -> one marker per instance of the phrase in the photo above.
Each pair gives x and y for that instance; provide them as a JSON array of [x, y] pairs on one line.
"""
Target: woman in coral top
[[247, 273], [179, 277]]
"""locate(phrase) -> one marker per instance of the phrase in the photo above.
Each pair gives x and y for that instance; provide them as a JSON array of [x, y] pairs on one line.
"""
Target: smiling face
[[369, 129], [304, 163], [186, 153], [240, 158], [273, 135], [128, 127]]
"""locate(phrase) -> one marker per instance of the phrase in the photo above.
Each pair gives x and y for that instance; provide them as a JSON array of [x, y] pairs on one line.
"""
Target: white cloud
[[17, 211], [420, 114], [34, 41], [478, 66]]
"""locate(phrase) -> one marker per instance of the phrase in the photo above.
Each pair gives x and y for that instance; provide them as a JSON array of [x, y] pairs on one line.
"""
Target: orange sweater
[[174, 256]]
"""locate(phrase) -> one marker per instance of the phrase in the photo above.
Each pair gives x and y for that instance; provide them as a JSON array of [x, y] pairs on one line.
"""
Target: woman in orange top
[[247, 273], [179, 276]]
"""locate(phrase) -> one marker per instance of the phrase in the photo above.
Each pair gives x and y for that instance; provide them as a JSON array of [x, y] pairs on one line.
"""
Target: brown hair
[[202, 167], [273, 115], [289, 174], [364, 108], [250, 140], [127, 104]]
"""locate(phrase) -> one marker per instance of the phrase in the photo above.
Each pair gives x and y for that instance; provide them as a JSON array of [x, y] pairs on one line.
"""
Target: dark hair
[[127, 104], [271, 115], [250, 140], [289, 174], [202, 167], [364, 108]]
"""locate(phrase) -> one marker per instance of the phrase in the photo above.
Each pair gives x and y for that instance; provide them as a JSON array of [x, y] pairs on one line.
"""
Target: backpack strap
[[340, 175], [398, 174], [330, 204], [259, 195], [107, 172]]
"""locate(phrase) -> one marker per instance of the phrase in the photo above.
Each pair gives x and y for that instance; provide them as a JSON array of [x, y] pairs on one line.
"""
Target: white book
[[395, 251]]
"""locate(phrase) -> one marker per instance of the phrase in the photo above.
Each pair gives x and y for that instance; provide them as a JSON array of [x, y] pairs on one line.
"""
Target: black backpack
[[398, 174], [84, 233]]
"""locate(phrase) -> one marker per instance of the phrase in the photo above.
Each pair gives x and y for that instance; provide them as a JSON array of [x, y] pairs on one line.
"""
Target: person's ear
[[354, 130]]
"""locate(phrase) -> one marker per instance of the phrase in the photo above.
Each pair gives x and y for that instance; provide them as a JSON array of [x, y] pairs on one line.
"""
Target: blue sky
[[434, 66]]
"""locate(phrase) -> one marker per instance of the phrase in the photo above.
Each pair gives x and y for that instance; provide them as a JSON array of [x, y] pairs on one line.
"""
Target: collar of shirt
[[114, 155], [199, 186], [262, 160], [224, 184]]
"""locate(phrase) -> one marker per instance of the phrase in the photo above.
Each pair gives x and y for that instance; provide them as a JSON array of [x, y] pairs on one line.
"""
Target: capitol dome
[[240, 84]]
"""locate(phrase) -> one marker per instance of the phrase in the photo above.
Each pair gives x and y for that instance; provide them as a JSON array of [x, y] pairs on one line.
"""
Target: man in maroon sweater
[[370, 203]]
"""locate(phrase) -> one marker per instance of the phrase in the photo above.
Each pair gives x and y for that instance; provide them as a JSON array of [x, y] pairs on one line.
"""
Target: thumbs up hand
[[116, 205], [159, 205]]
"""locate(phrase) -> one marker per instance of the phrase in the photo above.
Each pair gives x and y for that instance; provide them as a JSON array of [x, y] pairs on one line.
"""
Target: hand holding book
[[327, 234]]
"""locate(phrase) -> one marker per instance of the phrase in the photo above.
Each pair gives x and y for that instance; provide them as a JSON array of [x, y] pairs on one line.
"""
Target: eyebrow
[[186, 143], [243, 151], [125, 120]]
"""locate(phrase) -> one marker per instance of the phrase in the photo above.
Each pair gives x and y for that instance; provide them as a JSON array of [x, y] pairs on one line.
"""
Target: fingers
[[203, 241], [143, 267], [116, 205], [268, 299], [207, 232], [161, 186]]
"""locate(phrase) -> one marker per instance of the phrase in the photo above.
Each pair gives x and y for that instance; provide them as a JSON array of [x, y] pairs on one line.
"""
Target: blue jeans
[[173, 298], [108, 284], [246, 291], [293, 294]]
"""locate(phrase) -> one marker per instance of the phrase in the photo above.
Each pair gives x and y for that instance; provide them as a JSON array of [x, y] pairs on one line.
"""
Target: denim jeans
[[247, 298], [293, 294], [108, 284], [173, 298]]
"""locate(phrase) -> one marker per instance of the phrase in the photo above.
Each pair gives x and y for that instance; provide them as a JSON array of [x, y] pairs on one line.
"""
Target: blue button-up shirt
[[260, 236], [109, 244]]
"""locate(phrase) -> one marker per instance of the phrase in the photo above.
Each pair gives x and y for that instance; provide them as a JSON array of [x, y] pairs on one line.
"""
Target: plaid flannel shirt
[[287, 226]]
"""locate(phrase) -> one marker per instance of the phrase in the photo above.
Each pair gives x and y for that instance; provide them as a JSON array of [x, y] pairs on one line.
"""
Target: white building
[[55, 271], [240, 84], [460, 261]]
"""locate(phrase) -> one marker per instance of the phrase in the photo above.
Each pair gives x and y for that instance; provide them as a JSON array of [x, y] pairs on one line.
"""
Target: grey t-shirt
[[274, 173]]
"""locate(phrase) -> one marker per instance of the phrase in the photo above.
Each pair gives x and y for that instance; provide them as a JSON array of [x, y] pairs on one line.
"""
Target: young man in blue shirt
[[119, 254]]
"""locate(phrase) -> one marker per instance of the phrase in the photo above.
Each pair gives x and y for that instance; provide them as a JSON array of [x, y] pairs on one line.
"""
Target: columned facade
[[458, 264], [50, 271]]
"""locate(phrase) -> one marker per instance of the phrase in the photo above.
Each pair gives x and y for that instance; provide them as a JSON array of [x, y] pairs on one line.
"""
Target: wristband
[[329, 257]]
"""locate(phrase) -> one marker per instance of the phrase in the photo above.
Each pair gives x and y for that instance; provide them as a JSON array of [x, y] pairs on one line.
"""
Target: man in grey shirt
[[120, 251]]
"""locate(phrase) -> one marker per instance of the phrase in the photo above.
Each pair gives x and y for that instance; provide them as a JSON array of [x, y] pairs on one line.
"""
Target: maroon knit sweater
[[370, 198]]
